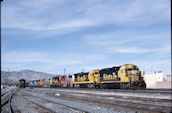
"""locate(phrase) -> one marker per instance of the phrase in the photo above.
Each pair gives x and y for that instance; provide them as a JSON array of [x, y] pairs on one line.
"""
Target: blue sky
[[50, 35]]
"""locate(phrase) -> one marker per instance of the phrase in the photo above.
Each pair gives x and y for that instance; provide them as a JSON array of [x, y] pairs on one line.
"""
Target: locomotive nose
[[137, 73], [134, 73]]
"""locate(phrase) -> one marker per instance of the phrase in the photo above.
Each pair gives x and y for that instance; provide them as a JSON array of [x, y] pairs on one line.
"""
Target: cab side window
[[122, 71], [130, 69]]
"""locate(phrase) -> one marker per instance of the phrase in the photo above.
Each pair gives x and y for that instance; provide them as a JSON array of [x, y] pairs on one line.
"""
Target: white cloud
[[51, 62], [153, 65], [49, 18], [59, 14], [33, 57], [153, 36], [160, 51], [127, 50], [116, 38], [126, 41]]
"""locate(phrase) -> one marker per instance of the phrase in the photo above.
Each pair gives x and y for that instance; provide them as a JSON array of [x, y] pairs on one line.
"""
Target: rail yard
[[127, 76], [111, 90], [86, 56], [82, 100]]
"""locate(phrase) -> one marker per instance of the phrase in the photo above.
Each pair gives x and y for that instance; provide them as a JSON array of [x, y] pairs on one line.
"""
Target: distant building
[[158, 80]]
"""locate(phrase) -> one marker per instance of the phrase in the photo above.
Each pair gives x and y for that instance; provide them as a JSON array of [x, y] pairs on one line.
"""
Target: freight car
[[22, 83], [125, 77]]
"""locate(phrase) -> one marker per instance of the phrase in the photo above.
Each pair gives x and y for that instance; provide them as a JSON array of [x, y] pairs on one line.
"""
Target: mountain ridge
[[28, 75]]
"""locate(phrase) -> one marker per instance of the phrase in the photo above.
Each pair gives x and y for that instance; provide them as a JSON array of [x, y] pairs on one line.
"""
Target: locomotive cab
[[54, 81], [130, 73], [133, 73], [22, 83]]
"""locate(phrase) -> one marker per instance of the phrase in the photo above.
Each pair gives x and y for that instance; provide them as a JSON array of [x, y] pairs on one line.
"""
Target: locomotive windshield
[[132, 69]]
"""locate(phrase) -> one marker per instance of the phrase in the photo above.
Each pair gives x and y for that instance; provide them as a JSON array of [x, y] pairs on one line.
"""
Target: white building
[[158, 80]]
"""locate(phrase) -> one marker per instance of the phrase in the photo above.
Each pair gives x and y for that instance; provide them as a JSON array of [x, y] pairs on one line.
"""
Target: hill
[[14, 76]]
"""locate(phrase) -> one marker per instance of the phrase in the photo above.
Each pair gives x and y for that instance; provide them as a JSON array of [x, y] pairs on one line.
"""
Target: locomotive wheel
[[125, 86], [102, 86], [91, 86]]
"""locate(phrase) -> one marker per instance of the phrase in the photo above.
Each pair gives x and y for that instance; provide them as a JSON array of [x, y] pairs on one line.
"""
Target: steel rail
[[9, 95], [9, 104], [133, 105], [66, 106], [163, 91], [40, 105], [146, 107]]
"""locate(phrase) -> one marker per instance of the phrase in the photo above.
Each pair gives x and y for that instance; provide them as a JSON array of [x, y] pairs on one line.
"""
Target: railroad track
[[9, 104], [47, 109], [6, 99], [108, 93], [135, 104], [161, 91], [125, 102], [65, 107], [4, 94], [148, 91]]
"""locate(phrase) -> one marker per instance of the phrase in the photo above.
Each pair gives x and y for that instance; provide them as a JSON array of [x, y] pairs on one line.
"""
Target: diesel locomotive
[[126, 76], [22, 83]]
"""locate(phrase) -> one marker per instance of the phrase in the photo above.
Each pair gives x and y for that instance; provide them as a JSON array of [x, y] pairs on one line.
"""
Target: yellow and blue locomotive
[[125, 77]]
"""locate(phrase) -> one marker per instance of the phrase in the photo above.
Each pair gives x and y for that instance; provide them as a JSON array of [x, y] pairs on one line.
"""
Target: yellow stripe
[[111, 82], [81, 82]]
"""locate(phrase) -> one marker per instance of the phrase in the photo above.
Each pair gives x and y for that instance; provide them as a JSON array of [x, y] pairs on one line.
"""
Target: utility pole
[[64, 71], [8, 72], [151, 69], [7, 80]]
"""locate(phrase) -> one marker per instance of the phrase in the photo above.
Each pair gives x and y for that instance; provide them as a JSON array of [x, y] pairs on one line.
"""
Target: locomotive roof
[[112, 68], [82, 73], [22, 80], [55, 77]]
